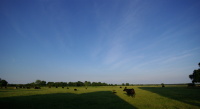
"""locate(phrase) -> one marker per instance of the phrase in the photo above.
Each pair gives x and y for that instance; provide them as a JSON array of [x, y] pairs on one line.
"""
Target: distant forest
[[42, 83]]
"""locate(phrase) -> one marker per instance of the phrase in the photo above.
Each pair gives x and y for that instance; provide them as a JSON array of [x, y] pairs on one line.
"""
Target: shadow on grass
[[94, 100], [129, 95], [182, 94]]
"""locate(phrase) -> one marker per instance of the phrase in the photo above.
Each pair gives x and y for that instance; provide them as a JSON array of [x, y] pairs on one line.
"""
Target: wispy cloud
[[164, 60], [112, 46]]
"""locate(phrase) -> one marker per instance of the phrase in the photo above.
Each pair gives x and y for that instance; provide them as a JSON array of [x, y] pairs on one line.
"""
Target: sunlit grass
[[153, 97]]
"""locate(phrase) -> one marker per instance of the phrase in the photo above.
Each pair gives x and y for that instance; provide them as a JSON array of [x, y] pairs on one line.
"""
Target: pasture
[[147, 97]]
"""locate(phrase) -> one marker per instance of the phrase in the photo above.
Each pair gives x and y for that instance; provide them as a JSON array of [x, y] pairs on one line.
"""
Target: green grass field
[[147, 97]]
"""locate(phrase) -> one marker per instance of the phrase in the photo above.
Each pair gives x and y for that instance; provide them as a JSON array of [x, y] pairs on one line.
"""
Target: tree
[[195, 77], [86, 83], [31, 84], [94, 84], [162, 84], [64, 84], [99, 84], [43, 83], [79, 83], [50, 84], [89, 83], [104, 84], [57, 84], [3, 83], [40, 83], [127, 84]]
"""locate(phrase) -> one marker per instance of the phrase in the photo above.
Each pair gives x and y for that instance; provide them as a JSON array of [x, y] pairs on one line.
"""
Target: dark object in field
[[75, 89], [67, 87], [63, 87], [86, 88], [114, 91], [49, 86], [56, 86], [120, 87], [191, 85], [28, 87], [15, 87], [37, 88], [163, 85], [130, 92]]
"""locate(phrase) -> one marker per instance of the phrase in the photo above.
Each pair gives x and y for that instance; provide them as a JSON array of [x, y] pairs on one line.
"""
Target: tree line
[[42, 83], [195, 77], [66, 84]]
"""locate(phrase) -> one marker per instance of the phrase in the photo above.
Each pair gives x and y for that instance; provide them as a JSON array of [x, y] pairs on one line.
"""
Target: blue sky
[[112, 41]]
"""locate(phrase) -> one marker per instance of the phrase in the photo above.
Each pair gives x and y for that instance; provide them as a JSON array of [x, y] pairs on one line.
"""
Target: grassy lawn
[[149, 97]]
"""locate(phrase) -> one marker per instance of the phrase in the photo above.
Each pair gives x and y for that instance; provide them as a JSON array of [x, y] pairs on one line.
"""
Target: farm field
[[102, 97]]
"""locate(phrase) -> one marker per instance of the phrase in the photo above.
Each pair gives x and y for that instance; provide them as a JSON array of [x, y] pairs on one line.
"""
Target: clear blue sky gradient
[[112, 41]]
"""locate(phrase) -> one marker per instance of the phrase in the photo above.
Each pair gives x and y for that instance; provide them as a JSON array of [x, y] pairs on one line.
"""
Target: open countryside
[[99, 54], [101, 97]]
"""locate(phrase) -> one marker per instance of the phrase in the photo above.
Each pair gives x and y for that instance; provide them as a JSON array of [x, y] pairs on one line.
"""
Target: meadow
[[102, 97]]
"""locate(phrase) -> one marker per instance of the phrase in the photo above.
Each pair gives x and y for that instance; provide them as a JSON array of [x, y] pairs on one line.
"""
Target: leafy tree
[[104, 84], [89, 83], [195, 77], [69, 83], [79, 83], [99, 84], [56, 84], [72, 84], [127, 84], [94, 83], [29, 85], [50, 84], [43, 83], [162, 84], [3, 83], [38, 82], [64, 84], [86, 83]]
